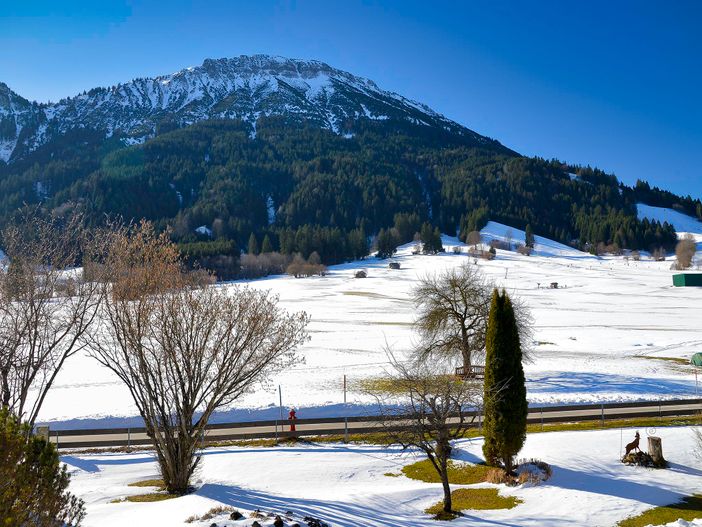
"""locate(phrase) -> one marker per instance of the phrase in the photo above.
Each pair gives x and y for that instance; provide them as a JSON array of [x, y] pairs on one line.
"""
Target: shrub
[[685, 252], [498, 476], [524, 249]]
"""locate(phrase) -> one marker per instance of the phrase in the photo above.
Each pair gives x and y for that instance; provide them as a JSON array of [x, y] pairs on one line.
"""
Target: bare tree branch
[[183, 350]]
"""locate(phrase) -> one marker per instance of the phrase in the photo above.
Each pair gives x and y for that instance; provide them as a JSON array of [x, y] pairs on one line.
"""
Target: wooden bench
[[474, 372]]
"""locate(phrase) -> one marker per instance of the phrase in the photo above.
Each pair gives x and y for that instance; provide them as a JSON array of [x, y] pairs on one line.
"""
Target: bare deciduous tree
[[435, 409], [183, 350], [474, 238], [453, 309], [46, 305], [685, 251]]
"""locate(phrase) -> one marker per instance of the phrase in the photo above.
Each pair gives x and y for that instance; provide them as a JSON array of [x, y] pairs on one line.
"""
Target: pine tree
[[529, 236], [387, 243], [253, 244], [34, 482], [505, 392], [266, 246], [431, 239]]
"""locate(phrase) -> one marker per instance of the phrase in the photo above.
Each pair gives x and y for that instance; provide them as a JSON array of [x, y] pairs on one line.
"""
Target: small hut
[[394, 265], [360, 274], [696, 359]]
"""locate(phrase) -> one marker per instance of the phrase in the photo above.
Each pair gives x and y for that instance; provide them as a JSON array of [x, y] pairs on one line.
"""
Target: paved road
[[308, 427]]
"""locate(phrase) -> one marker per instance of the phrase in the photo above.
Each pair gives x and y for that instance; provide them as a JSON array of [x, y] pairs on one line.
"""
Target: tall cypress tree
[[505, 392]]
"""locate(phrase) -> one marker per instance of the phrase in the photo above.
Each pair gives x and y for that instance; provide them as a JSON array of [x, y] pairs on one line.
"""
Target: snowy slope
[[245, 88], [346, 485], [682, 222], [596, 337], [542, 246]]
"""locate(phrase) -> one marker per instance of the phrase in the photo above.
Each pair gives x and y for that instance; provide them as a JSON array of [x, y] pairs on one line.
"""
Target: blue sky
[[614, 84]]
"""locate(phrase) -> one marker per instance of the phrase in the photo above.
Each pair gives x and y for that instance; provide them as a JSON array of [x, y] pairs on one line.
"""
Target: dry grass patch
[[473, 499], [212, 513], [688, 509]]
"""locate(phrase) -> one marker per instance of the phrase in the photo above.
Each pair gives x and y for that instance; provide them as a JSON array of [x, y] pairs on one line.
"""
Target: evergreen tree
[[387, 243], [253, 244], [431, 239], [358, 243], [266, 246], [529, 236], [33, 490], [505, 403]]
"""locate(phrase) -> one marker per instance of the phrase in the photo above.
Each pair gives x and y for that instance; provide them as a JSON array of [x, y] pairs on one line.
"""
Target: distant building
[[687, 279], [394, 265]]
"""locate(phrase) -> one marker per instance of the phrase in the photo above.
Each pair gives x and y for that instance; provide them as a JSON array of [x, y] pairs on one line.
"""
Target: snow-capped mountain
[[245, 88]]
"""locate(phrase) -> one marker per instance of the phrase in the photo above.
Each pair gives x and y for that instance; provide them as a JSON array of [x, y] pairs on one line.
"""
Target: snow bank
[[346, 485]]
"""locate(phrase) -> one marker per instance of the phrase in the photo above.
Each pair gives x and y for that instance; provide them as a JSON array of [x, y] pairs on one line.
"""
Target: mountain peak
[[244, 87]]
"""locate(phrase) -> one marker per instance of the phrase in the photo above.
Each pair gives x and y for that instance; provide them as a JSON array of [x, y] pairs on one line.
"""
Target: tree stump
[[655, 450]]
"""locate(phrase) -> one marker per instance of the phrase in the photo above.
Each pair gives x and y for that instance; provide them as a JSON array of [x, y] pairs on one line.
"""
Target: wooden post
[[346, 419], [655, 450], [43, 432]]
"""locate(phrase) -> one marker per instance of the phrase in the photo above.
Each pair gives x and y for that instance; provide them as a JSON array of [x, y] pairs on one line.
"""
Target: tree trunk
[[466, 360], [448, 506], [655, 450], [507, 460]]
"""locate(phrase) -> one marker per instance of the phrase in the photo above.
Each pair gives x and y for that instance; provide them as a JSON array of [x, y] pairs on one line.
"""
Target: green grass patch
[[158, 483], [473, 499], [392, 474], [152, 496], [459, 473], [688, 509]]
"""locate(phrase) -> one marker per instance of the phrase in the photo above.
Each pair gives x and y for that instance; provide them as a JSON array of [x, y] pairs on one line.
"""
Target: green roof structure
[[687, 279]]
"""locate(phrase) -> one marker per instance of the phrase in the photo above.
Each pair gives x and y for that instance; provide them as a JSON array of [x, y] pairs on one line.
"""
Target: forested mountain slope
[[303, 155]]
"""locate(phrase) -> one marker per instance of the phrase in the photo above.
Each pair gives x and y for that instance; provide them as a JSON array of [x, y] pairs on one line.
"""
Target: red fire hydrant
[[291, 418]]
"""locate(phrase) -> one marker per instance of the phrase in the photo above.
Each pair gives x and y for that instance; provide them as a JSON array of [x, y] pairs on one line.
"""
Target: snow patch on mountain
[[682, 222]]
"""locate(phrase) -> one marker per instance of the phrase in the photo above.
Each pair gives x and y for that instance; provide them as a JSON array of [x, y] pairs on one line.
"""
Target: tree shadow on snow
[[375, 511], [596, 383], [610, 486]]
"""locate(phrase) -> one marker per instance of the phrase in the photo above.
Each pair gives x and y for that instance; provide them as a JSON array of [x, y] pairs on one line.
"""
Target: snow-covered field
[[346, 485], [595, 336]]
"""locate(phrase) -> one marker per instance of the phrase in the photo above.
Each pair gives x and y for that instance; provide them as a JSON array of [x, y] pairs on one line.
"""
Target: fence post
[[660, 413], [602, 410], [542, 419], [129, 438], [346, 419]]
